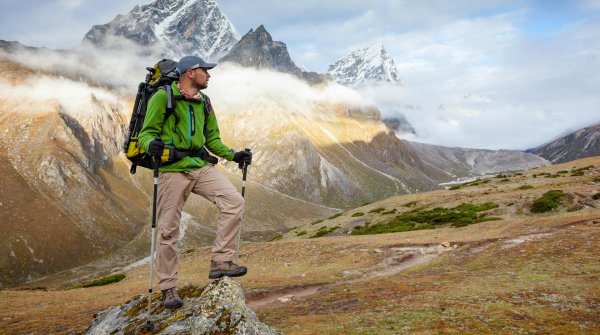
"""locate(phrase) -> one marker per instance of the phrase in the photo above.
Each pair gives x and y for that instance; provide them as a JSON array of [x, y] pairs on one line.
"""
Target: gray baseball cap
[[193, 62]]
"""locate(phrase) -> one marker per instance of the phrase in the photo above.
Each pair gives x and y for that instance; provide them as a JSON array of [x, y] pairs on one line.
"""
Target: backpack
[[160, 76]]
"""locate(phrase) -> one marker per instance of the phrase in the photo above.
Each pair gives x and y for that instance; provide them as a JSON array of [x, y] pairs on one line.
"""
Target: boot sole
[[219, 274]]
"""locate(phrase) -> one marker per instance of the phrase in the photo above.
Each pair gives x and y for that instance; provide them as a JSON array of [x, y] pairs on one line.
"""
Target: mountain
[[579, 144], [182, 27], [369, 64], [257, 49]]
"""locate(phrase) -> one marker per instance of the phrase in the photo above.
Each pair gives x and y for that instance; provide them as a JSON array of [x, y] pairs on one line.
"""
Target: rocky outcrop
[[218, 308]]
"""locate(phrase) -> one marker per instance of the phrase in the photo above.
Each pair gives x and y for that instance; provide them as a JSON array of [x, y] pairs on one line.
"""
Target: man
[[192, 127]]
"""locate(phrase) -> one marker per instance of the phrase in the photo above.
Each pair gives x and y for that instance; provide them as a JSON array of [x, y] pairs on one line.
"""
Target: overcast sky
[[491, 74]]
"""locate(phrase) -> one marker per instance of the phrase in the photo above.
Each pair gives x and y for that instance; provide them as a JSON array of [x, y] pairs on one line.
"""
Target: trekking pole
[[149, 324], [244, 168]]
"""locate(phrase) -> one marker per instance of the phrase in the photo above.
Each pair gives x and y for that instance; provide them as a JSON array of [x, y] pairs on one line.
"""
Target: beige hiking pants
[[173, 190]]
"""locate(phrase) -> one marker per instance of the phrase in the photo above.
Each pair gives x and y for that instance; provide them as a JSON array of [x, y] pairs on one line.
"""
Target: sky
[[495, 74]]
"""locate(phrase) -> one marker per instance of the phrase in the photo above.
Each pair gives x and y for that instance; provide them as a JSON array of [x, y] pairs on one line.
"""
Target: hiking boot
[[227, 268], [170, 299]]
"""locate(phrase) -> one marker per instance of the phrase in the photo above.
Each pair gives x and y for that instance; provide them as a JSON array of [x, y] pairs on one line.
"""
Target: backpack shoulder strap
[[207, 108], [171, 103]]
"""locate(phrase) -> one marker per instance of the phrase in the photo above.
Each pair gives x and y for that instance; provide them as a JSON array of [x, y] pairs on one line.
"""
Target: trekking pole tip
[[148, 325]]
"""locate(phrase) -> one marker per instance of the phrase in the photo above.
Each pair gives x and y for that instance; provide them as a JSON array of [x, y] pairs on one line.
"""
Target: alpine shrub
[[548, 201]]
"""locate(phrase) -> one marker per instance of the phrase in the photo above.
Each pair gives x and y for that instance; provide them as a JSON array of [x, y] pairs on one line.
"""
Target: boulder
[[218, 308]]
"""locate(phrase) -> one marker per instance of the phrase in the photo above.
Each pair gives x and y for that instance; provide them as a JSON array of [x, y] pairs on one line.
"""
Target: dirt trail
[[398, 259]]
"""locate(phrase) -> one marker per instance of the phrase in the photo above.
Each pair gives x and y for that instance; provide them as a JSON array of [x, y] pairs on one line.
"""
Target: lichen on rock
[[218, 308]]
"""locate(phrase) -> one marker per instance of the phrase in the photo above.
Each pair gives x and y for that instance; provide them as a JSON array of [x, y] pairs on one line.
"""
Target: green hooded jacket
[[187, 134]]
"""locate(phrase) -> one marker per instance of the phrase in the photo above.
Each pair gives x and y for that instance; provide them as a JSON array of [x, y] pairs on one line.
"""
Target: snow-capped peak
[[180, 27], [369, 64]]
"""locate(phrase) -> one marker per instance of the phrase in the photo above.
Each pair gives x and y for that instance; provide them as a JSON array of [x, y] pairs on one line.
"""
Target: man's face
[[200, 78]]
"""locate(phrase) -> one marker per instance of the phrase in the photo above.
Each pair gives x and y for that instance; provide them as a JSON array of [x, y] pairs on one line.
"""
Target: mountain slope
[[579, 144], [177, 28], [369, 64]]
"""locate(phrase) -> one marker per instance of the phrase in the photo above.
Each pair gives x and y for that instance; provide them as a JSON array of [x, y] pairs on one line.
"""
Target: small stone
[[303, 275], [286, 264], [378, 250], [445, 244]]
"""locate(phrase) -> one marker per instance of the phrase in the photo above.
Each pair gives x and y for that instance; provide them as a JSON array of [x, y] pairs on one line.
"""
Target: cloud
[[42, 91], [71, 4], [240, 89]]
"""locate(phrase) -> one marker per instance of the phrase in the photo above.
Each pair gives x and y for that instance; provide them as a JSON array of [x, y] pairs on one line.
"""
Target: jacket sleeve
[[213, 138], [155, 117]]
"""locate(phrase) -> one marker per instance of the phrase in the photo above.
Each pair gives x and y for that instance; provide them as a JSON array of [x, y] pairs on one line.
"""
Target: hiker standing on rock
[[183, 137]]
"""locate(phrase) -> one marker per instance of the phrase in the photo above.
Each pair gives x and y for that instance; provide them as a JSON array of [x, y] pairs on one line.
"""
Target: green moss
[[316, 222], [335, 216], [104, 281], [358, 214], [525, 187], [377, 210], [324, 231], [190, 291], [276, 238], [300, 233], [548, 201], [421, 218], [389, 212]]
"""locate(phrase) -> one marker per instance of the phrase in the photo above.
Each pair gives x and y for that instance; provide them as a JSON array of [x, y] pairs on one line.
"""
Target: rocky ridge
[[579, 144], [257, 49]]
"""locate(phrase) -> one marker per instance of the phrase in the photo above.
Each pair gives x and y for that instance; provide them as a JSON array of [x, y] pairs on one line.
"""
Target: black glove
[[156, 147], [243, 157]]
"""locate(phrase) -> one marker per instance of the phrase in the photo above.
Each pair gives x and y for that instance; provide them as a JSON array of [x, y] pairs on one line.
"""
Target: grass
[[421, 218], [377, 210], [548, 201], [334, 216], [476, 182], [525, 187], [357, 214], [104, 281], [324, 231]]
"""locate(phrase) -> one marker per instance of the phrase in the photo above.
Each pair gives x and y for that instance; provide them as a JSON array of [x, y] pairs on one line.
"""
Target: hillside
[[579, 144], [523, 273]]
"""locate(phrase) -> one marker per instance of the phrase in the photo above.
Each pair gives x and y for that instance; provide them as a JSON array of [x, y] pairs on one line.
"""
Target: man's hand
[[156, 147], [243, 157]]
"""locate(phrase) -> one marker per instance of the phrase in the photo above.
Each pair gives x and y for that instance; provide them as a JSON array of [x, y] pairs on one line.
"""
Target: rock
[[217, 308], [445, 244]]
